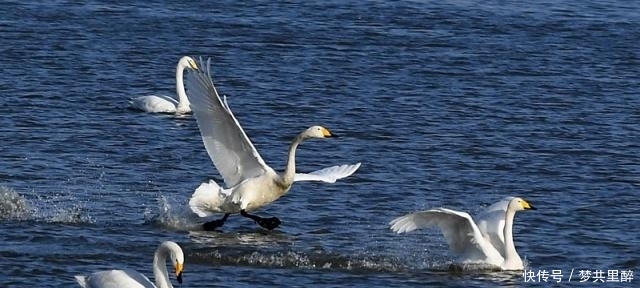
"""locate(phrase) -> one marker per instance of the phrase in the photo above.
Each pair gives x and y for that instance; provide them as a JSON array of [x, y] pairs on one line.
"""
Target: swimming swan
[[250, 182], [489, 242], [131, 278], [166, 104]]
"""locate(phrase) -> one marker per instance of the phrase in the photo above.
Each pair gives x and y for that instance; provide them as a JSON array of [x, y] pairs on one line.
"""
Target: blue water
[[446, 103]]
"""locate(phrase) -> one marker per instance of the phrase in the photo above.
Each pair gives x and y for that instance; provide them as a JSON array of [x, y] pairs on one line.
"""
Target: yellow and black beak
[[179, 268], [193, 65], [527, 206], [327, 133]]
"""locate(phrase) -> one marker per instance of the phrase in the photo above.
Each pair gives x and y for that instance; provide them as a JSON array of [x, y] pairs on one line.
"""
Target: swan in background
[[166, 104], [465, 238], [250, 182], [131, 278]]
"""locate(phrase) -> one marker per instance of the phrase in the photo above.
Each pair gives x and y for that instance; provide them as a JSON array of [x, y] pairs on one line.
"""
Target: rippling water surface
[[446, 103]]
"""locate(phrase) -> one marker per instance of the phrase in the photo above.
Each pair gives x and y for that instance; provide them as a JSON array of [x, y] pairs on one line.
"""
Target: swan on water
[[490, 241], [131, 278], [250, 182], [167, 104]]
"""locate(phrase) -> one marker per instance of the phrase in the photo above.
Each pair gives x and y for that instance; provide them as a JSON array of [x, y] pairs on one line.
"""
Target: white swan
[[250, 182], [131, 278], [166, 104], [489, 242]]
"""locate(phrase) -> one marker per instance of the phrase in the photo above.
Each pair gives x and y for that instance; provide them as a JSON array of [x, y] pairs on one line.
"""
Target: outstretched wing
[[329, 174], [228, 146], [462, 234]]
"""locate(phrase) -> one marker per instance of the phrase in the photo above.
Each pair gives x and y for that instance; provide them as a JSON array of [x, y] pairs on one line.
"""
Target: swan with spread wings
[[250, 182], [487, 241]]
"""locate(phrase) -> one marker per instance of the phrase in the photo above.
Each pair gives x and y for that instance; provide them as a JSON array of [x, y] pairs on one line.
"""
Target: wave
[[278, 250], [324, 260], [296, 259]]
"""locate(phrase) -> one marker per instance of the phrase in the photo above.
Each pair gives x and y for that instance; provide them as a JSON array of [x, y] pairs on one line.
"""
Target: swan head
[[316, 132], [177, 258], [519, 204], [187, 61]]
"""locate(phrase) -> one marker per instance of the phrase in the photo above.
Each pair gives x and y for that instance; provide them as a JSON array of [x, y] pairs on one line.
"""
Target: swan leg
[[212, 225], [268, 223]]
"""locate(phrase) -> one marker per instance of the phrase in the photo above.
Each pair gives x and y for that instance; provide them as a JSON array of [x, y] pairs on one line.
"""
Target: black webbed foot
[[212, 225], [267, 223]]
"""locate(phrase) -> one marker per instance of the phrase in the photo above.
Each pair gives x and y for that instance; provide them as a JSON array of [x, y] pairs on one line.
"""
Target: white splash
[[50, 209], [172, 215], [13, 206]]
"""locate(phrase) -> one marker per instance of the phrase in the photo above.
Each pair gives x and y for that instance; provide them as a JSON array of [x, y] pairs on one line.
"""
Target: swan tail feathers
[[207, 199]]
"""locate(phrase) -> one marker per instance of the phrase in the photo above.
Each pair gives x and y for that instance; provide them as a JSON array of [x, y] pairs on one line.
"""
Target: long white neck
[[160, 267], [290, 171], [183, 101], [511, 258]]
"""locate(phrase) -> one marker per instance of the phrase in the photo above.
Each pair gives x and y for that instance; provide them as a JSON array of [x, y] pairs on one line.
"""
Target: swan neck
[[160, 273], [290, 171], [183, 101], [510, 253]]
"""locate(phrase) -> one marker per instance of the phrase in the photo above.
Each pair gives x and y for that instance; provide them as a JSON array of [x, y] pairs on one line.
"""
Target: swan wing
[[462, 234], [115, 279], [491, 223], [228, 146], [329, 174]]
